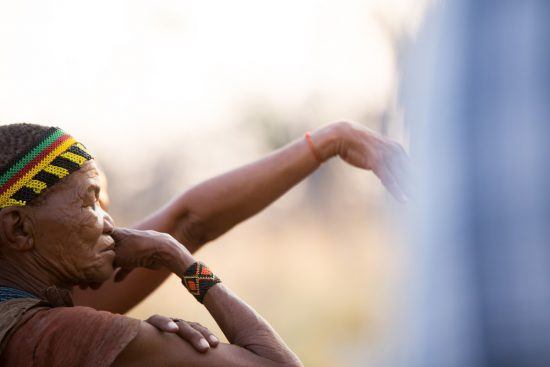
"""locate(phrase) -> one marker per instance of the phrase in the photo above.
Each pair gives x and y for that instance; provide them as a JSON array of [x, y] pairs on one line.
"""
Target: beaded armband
[[198, 279], [55, 156]]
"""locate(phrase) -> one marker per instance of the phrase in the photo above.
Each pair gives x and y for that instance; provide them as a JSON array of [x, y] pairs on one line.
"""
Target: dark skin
[[253, 342], [196, 217], [34, 237], [206, 211], [34, 255], [67, 239]]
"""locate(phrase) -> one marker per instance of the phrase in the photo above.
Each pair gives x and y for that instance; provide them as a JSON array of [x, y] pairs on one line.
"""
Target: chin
[[104, 277], [100, 274]]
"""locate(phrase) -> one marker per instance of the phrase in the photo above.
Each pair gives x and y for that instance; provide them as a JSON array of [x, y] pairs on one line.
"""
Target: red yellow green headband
[[54, 157]]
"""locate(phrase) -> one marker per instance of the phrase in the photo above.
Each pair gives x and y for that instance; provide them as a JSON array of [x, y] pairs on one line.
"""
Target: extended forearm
[[216, 205]]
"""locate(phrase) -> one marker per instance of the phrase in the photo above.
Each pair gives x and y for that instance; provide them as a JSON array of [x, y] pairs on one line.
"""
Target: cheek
[[90, 226], [72, 229]]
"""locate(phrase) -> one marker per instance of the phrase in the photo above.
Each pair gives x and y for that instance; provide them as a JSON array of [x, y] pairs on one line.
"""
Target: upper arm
[[151, 347], [70, 336]]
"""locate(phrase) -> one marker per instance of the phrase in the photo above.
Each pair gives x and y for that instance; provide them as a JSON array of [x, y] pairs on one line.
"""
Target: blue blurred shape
[[477, 100]]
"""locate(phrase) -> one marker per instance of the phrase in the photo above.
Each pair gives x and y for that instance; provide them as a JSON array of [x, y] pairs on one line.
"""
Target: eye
[[91, 203], [91, 197]]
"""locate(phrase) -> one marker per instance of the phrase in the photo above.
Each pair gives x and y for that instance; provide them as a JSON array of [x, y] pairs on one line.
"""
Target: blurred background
[[170, 93]]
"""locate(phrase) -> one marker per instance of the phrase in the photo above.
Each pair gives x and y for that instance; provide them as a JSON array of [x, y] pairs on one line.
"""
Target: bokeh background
[[170, 93]]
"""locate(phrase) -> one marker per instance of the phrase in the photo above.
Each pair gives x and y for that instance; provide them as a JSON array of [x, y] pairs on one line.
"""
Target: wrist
[[198, 279], [327, 140], [177, 258]]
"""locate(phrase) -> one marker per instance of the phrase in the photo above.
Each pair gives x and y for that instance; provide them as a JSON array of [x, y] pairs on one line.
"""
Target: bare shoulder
[[152, 347]]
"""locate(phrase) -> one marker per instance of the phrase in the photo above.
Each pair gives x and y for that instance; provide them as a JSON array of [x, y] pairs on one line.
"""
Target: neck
[[26, 277]]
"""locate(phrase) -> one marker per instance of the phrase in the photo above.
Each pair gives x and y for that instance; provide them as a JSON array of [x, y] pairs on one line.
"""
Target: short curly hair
[[15, 141]]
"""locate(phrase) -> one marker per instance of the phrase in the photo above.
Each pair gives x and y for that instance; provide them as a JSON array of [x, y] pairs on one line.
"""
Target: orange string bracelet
[[312, 148]]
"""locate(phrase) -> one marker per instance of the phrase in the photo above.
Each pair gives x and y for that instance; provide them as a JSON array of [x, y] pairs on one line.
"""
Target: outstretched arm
[[211, 208]]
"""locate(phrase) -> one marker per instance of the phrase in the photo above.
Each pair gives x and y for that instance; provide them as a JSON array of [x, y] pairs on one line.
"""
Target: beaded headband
[[56, 155]]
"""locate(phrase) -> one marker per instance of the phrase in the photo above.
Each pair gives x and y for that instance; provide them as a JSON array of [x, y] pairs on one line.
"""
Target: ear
[[16, 229]]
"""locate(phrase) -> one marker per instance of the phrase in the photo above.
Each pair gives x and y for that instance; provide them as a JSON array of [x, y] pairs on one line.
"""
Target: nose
[[108, 222]]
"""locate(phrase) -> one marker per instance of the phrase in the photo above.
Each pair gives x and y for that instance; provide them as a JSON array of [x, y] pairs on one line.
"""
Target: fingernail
[[172, 325], [213, 339], [204, 344]]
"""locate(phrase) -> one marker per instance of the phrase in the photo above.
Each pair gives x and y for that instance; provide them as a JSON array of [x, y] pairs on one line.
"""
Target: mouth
[[111, 246]]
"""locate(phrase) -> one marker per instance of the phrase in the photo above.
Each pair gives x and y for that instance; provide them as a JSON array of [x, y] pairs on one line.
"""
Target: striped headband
[[56, 155]]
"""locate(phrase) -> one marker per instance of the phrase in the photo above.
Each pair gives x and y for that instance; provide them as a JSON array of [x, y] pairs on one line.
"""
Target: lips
[[111, 246]]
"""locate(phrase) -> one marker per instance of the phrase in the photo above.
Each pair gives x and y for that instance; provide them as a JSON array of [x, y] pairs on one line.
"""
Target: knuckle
[[185, 328], [152, 318], [196, 335], [205, 329]]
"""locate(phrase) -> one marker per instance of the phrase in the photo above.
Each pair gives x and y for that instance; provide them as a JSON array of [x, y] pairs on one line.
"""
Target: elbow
[[190, 232]]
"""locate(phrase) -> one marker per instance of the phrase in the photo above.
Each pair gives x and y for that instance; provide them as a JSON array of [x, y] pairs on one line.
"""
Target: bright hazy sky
[[131, 67]]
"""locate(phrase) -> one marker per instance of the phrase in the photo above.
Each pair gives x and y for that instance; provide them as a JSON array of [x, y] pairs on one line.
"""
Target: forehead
[[76, 184], [87, 175], [89, 170]]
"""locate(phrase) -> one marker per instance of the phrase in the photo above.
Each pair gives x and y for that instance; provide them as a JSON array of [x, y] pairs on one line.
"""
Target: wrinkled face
[[71, 232]]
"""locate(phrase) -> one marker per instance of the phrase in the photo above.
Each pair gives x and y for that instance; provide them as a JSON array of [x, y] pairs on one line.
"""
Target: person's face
[[72, 233]]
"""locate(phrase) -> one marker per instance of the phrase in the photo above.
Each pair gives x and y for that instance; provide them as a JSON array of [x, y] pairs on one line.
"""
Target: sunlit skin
[[64, 239], [194, 218], [205, 212], [73, 235]]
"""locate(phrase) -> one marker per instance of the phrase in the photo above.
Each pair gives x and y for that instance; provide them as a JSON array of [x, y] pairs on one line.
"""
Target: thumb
[[118, 233], [121, 233]]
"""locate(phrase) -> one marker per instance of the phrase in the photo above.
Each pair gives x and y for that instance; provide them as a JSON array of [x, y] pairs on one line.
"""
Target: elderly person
[[54, 235]]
